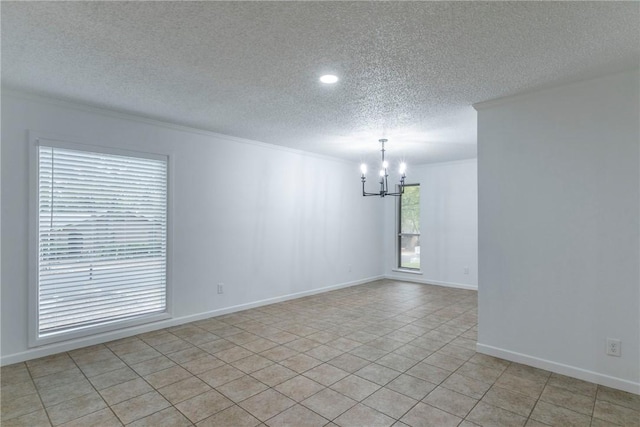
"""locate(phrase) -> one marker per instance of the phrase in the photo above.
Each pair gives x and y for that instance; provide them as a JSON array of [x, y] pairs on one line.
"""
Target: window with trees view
[[102, 238], [409, 228]]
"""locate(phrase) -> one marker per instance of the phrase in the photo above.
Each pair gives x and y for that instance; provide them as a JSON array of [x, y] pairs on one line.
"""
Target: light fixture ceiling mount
[[329, 79], [384, 176]]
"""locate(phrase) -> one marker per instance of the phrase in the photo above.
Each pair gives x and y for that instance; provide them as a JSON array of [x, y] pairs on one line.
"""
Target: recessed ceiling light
[[329, 79]]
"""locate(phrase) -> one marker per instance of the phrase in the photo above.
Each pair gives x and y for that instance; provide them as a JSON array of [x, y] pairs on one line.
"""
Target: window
[[102, 239], [409, 228]]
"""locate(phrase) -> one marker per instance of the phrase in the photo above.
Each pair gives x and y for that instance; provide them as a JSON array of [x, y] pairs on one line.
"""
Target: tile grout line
[[94, 387], [44, 408], [538, 400]]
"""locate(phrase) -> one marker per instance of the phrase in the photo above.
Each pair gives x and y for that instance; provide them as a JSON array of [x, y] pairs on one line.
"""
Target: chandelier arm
[[364, 193]]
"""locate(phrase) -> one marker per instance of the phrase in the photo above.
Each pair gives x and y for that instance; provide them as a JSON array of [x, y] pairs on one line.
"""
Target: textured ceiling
[[409, 70]]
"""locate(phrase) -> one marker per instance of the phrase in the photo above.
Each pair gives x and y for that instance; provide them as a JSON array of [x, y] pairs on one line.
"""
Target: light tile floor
[[385, 353]]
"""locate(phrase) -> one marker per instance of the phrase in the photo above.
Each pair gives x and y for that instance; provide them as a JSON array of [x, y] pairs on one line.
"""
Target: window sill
[[405, 270], [39, 340]]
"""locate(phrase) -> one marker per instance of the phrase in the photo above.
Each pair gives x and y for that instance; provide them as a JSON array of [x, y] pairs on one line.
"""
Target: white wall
[[448, 222], [268, 222], [559, 228]]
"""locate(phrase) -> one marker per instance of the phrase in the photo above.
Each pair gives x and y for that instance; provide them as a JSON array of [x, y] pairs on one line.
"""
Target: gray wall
[[268, 222], [448, 222], [558, 176]]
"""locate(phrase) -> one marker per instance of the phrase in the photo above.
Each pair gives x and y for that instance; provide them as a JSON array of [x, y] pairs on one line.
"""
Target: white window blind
[[102, 238]]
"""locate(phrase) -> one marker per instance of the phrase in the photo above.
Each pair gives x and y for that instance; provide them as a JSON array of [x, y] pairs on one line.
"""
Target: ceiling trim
[[483, 105], [126, 115]]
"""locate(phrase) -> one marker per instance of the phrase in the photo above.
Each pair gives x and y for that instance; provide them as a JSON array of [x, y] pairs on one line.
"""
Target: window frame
[[34, 338], [400, 235]]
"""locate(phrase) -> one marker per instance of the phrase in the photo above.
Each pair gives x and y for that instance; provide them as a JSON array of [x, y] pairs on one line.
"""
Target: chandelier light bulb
[[384, 175]]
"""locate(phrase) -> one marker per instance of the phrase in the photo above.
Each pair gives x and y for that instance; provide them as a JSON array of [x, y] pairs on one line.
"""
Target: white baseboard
[[560, 368], [411, 277], [47, 350]]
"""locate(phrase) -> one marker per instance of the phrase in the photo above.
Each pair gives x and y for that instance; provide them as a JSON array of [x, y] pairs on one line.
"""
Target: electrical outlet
[[614, 347], [349, 268], [220, 288], [466, 270]]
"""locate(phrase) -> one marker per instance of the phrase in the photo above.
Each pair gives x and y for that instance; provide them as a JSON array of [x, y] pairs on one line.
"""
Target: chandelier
[[384, 175]]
